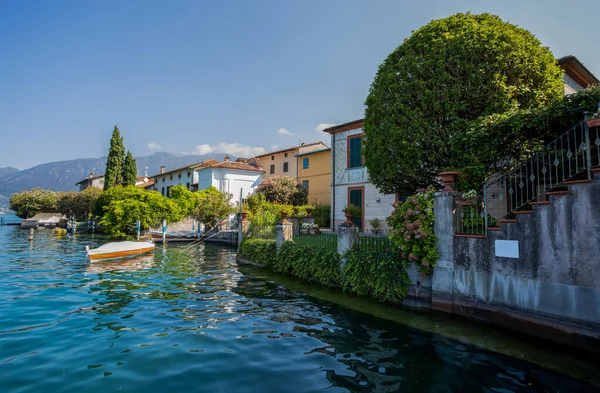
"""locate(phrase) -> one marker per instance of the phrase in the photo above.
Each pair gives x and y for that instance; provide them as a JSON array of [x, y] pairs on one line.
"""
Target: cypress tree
[[129, 170], [114, 161]]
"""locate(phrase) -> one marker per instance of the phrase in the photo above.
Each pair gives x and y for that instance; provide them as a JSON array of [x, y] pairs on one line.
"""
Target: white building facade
[[350, 179]]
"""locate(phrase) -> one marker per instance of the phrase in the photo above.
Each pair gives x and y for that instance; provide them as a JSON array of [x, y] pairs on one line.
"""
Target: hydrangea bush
[[412, 230]]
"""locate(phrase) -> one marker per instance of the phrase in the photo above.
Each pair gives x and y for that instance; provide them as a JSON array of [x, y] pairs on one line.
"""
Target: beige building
[[91, 181], [283, 162]]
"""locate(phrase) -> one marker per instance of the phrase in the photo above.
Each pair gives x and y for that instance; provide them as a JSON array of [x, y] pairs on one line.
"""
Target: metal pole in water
[[31, 230], [164, 231], [138, 226]]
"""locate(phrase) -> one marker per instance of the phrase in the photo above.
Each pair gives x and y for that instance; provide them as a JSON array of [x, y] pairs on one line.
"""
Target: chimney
[[226, 158], [91, 174], [162, 169]]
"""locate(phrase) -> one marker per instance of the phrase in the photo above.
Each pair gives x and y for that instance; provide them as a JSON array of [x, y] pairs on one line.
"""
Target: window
[[163, 190], [285, 154], [187, 185], [355, 159], [272, 169], [189, 174], [355, 197], [285, 166], [168, 191], [179, 176], [305, 184], [305, 163], [272, 158]]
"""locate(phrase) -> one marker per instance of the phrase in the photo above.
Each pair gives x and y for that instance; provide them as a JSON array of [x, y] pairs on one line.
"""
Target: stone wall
[[550, 288]]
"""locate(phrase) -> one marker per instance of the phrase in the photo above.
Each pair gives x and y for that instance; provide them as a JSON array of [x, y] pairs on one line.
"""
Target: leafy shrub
[[261, 251], [309, 263], [285, 190], [322, 215], [376, 274], [412, 223], [79, 204], [213, 206], [27, 203]]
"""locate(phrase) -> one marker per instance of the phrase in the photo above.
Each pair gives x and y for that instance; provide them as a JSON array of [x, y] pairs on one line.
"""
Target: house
[[226, 176], [314, 173], [576, 77], [350, 179], [185, 175], [283, 163], [144, 182], [91, 181], [236, 178]]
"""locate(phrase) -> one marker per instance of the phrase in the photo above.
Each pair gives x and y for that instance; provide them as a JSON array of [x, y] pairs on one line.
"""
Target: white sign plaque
[[507, 248]]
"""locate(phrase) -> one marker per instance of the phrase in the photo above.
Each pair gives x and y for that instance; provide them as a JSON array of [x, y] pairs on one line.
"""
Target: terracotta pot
[[448, 178], [284, 218], [309, 212], [595, 122], [244, 216], [348, 219]]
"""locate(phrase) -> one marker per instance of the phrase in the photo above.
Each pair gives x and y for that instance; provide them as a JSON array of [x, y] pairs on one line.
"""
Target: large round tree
[[443, 77]]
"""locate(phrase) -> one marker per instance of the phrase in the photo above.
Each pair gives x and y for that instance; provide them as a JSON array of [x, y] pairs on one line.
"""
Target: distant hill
[[62, 175], [7, 171]]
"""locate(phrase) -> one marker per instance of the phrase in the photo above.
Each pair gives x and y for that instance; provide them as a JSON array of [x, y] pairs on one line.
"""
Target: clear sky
[[217, 76]]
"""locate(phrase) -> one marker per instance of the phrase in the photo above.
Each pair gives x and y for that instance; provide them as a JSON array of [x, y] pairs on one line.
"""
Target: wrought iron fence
[[569, 156], [375, 240], [316, 237], [471, 217], [261, 231]]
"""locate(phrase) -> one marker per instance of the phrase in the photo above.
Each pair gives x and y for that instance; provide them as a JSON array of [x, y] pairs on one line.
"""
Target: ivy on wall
[[375, 274]]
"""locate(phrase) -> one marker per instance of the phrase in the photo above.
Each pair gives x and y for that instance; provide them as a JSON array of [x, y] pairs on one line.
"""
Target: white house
[[226, 176], [236, 178], [350, 179]]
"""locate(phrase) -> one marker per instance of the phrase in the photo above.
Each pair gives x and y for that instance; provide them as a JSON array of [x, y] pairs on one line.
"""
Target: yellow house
[[283, 163], [314, 172]]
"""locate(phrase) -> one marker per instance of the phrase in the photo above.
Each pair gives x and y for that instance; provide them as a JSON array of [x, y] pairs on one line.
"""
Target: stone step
[[556, 193], [540, 203], [507, 221], [524, 212], [584, 181]]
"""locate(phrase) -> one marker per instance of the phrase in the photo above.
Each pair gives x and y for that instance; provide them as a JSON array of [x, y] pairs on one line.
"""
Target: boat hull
[[119, 250]]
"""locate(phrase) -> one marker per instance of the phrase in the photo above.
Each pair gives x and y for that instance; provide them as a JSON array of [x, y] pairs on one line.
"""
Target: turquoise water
[[192, 320]]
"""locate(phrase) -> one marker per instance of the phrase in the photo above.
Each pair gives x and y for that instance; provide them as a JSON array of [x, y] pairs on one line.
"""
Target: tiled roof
[[242, 166], [191, 166], [312, 152], [89, 179], [577, 70], [289, 148], [351, 125]]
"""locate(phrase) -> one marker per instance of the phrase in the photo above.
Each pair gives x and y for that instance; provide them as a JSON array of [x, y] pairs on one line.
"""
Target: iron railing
[[572, 155], [469, 216]]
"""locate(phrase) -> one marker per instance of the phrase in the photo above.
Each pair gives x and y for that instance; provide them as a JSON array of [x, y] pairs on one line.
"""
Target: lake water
[[189, 319]]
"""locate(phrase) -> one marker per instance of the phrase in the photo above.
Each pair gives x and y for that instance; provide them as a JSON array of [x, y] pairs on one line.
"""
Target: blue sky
[[221, 76]]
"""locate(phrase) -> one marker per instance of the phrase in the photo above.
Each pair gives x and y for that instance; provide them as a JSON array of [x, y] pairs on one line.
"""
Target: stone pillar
[[347, 235], [443, 274], [296, 225], [308, 220], [284, 233]]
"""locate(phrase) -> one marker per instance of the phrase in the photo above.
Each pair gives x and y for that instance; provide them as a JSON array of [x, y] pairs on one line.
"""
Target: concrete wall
[[550, 288]]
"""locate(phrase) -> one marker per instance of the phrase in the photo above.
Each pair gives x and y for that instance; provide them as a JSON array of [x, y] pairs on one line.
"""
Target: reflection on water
[[189, 319]]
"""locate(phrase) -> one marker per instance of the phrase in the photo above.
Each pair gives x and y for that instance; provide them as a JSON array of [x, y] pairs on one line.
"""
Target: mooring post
[[31, 234], [164, 231], [138, 226]]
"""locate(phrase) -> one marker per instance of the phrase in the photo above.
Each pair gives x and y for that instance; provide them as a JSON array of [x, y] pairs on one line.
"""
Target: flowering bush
[[412, 230], [284, 190]]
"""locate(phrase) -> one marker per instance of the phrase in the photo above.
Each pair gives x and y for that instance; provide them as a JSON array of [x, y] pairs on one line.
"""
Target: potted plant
[[594, 121], [375, 225], [285, 212], [351, 211], [468, 198], [244, 216]]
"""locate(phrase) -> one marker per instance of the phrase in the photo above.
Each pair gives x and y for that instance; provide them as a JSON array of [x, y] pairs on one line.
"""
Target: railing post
[[283, 233], [588, 151], [347, 235], [485, 213], [442, 283]]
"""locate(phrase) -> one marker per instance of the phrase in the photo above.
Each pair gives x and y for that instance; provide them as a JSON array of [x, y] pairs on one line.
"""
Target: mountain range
[[62, 175]]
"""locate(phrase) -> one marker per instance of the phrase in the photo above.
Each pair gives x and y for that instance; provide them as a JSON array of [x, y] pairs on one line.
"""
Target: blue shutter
[[355, 152]]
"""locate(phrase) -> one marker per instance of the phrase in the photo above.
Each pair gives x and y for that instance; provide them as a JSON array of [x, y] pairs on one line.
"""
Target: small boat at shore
[[117, 250], [174, 236]]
